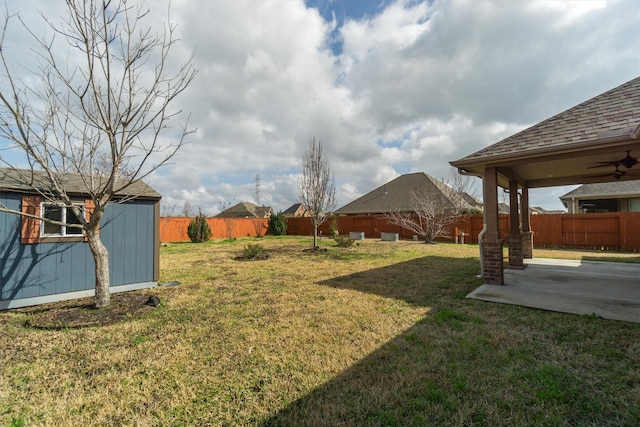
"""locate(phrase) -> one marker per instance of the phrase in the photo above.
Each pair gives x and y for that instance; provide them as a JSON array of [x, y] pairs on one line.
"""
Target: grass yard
[[378, 334]]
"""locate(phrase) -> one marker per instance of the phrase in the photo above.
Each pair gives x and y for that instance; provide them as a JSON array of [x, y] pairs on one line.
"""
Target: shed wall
[[42, 269]]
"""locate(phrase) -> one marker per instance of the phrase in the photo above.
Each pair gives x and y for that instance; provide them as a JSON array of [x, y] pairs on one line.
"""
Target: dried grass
[[375, 334]]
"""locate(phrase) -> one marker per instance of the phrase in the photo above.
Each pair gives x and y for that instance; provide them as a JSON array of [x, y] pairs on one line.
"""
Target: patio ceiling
[[565, 149]]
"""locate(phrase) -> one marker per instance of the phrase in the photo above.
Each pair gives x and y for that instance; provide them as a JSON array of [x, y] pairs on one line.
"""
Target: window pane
[[72, 218], [53, 213]]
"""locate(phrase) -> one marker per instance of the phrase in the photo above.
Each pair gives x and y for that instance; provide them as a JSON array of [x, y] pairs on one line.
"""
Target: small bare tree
[[432, 212], [187, 210], [230, 224], [167, 210], [258, 226], [99, 115], [316, 187]]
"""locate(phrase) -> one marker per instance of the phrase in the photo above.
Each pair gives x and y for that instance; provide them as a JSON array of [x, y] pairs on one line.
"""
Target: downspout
[[484, 224]]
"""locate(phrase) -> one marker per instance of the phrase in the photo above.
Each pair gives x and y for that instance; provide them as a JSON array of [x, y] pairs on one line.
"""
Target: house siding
[[44, 269]]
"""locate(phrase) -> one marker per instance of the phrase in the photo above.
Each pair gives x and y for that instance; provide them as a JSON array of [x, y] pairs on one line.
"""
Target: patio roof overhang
[[561, 164], [588, 143]]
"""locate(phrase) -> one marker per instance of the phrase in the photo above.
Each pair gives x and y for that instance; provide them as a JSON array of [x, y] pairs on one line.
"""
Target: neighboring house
[[296, 210], [618, 196], [41, 262], [475, 203], [246, 210], [399, 195]]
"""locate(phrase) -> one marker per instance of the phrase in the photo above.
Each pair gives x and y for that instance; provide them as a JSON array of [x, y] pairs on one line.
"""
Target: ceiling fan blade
[[604, 165]]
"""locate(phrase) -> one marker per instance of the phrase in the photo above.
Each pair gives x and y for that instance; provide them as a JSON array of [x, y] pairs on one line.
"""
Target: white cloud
[[418, 84]]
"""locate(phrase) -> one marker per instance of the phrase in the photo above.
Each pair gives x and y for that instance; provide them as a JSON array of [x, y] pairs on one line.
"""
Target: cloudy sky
[[389, 87]]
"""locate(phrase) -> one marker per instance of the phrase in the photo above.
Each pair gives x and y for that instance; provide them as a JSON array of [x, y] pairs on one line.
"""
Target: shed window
[[61, 214]]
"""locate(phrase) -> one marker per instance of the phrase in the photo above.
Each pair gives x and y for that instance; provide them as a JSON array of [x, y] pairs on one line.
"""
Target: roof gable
[[245, 209], [397, 195], [606, 190]]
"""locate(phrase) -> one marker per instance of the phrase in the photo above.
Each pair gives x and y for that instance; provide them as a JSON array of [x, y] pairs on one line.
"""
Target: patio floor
[[609, 290]]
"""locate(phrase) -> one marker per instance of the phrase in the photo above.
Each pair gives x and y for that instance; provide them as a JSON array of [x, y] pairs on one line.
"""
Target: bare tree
[[187, 210], [432, 211], [258, 226], [99, 116], [230, 224], [316, 187], [167, 210]]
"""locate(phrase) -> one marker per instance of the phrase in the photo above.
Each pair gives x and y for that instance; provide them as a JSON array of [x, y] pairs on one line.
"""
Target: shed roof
[[398, 195], [24, 181], [605, 190]]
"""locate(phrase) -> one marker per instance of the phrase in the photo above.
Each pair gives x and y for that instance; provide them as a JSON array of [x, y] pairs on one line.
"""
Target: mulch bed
[[81, 313]]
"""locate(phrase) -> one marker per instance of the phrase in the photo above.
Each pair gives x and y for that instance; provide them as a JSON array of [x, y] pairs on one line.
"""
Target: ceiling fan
[[616, 174], [628, 162]]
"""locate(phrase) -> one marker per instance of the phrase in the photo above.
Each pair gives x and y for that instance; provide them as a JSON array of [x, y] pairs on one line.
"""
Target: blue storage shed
[[40, 263]]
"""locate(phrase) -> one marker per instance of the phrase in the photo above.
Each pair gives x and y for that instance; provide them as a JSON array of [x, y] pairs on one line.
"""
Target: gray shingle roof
[[611, 115], [245, 209], [605, 189], [397, 195], [19, 180], [293, 209]]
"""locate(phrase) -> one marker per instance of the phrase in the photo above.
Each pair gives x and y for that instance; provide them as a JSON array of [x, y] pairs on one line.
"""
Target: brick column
[[527, 244], [515, 236], [527, 234], [516, 259], [491, 244], [492, 261]]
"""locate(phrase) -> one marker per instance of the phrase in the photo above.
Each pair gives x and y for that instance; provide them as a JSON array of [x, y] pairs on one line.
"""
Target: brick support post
[[492, 261], [527, 244], [515, 251]]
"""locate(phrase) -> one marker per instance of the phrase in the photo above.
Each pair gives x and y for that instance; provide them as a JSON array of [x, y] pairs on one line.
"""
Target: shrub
[[333, 227], [343, 241], [278, 224], [199, 230], [252, 251]]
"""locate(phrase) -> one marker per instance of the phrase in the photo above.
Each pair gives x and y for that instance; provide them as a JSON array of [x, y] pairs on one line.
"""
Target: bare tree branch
[[98, 111], [316, 187]]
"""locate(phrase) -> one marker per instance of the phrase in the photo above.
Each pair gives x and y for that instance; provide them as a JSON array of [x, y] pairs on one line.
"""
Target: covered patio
[[595, 141]]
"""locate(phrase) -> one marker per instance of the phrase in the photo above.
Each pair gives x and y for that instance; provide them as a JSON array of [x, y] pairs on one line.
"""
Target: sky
[[388, 87]]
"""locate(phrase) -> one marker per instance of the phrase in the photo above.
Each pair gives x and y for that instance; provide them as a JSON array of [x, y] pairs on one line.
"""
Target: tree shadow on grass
[[410, 380], [452, 367], [420, 282]]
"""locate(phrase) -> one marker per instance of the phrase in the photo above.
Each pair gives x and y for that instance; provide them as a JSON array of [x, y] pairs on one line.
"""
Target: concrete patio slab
[[609, 290]]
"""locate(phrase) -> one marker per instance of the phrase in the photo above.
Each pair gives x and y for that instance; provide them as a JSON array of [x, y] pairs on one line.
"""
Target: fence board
[[174, 229], [619, 231]]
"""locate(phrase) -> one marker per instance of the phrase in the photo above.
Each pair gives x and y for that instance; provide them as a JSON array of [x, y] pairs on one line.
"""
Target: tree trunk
[[101, 258], [315, 236]]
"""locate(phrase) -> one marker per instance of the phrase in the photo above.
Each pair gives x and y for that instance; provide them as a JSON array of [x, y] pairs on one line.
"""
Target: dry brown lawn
[[375, 334]]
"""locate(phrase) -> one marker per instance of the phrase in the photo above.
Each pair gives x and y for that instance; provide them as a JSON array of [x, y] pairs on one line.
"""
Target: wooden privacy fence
[[618, 231], [174, 229]]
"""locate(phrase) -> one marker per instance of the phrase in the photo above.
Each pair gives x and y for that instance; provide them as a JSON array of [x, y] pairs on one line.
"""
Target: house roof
[[291, 210], [562, 149], [398, 195], [245, 209], [23, 181], [605, 190]]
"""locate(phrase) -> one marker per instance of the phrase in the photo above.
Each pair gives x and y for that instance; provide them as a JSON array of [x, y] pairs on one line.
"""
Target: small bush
[[278, 224], [252, 251], [333, 227], [199, 230], [343, 241]]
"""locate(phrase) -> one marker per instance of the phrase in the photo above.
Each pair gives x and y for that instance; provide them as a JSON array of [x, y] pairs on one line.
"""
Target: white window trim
[[64, 234]]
